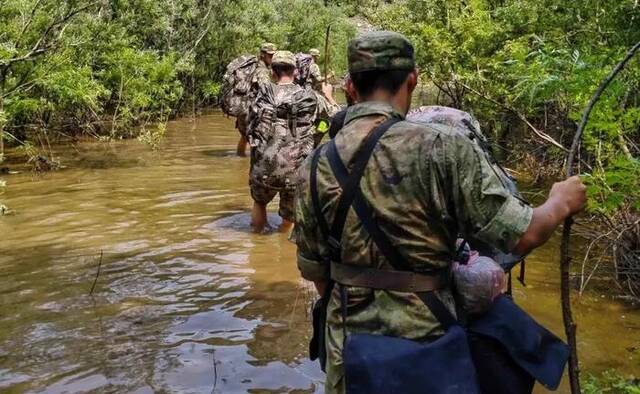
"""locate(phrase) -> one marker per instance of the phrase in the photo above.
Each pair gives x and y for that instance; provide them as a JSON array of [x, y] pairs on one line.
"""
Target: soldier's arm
[[327, 105], [565, 199], [307, 235], [485, 209]]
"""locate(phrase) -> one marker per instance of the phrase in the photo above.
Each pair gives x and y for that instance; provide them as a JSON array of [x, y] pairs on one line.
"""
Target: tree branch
[[38, 48], [570, 326], [541, 134]]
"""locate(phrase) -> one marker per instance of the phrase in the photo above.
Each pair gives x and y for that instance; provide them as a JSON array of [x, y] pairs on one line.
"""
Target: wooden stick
[[570, 326], [93, 286], [326, 53]]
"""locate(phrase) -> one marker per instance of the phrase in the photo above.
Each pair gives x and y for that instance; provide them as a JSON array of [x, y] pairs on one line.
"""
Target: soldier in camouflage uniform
[[279, 140], [426, 184], [315, 77], [261, 75]]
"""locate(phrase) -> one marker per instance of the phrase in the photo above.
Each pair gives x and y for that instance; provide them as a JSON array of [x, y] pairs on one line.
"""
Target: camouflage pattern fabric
[[380, 50], [315, 77], [280, 133], [237, 86], [284, 57], [325, 110], [261, 76], [447, 116], [426, 184], [470, 126], [269, 48], [264, 195]]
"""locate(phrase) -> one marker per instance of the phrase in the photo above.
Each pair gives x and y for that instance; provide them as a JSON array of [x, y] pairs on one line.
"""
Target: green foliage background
[[538, 60], [105, 66]]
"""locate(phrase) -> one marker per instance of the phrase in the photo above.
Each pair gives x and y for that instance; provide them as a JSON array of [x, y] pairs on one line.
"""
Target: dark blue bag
[[377, 364], [532, 347]]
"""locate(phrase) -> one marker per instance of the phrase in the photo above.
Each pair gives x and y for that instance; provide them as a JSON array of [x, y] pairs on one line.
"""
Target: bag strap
[[350, 184], [352, 196]]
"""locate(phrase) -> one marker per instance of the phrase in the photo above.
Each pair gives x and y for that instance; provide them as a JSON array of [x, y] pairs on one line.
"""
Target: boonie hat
[[382, 51], [314, 52], [284, 57], [268, 47]]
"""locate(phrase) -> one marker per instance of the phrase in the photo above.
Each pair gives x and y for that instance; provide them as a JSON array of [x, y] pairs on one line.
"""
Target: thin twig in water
[[215, 371], [93, 286]]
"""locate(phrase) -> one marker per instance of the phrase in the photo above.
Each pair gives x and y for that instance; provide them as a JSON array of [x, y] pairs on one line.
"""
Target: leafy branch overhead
[[109, 67]]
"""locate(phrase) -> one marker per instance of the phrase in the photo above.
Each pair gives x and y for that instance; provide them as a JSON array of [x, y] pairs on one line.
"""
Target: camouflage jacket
[[261, 76], [315, 77], [426, 184]]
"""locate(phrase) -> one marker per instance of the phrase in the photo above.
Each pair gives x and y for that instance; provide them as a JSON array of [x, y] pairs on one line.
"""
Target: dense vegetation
[[103, 67], [525, 68]]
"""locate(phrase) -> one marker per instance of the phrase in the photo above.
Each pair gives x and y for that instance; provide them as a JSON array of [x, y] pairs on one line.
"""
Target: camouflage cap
[[268, 47], [380, 50], [314, 52], [284, 57]]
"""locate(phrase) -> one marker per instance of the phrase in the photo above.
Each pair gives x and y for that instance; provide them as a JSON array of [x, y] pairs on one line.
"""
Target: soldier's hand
[[327, 89], [572, 193]]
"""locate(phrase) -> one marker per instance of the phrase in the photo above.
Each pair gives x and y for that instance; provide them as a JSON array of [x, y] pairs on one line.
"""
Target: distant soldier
[[378, 212], [263, 72], [261, 75], [315, 79], [240, 85], [281, 128]]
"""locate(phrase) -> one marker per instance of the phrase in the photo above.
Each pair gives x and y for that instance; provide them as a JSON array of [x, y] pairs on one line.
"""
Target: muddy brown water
[[188, 300]]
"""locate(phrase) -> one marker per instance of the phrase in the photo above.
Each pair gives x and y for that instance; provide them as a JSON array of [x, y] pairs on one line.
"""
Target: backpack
[[236, 85], [281, 130], [303, 68]]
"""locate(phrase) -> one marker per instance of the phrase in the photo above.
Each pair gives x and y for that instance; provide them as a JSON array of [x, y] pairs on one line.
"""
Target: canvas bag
[[236, 85], [281, 135]]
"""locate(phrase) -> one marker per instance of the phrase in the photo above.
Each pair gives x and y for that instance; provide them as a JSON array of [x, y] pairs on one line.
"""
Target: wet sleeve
[[306, 233], [476, 197]]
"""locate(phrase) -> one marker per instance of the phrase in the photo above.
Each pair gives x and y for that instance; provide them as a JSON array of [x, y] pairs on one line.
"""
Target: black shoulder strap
[[352, 196]]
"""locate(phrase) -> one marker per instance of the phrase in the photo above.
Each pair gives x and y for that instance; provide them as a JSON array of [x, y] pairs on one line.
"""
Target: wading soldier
[[315, 79], [281, 129], [261, 75], [421, 187]]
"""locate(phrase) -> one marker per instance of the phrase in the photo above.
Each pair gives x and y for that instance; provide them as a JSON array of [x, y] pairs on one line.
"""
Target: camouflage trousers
[[263, 194]]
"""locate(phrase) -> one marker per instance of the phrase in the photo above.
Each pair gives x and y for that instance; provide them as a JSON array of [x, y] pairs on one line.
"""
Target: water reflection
[[188, 299]]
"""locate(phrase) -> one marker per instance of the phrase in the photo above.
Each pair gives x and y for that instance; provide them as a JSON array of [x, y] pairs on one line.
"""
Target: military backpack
[[281, 130], [303, 68], [236, 85]]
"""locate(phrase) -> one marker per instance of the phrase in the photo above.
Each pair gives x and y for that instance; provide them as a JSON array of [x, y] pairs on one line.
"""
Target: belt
[[379, 279]]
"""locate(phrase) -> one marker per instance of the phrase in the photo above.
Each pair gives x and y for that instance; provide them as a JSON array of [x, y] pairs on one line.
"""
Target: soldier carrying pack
[[303, 68], [236, 85], [281, 132]]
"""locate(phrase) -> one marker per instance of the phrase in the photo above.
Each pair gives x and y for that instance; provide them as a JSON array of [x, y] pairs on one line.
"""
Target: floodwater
[[187, 299]]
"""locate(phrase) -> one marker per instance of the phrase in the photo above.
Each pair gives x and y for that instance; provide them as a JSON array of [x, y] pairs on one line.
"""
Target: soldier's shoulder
[[442, 131]]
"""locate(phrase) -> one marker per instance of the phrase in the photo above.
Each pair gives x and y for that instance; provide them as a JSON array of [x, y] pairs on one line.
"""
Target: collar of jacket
[[369, 108]]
